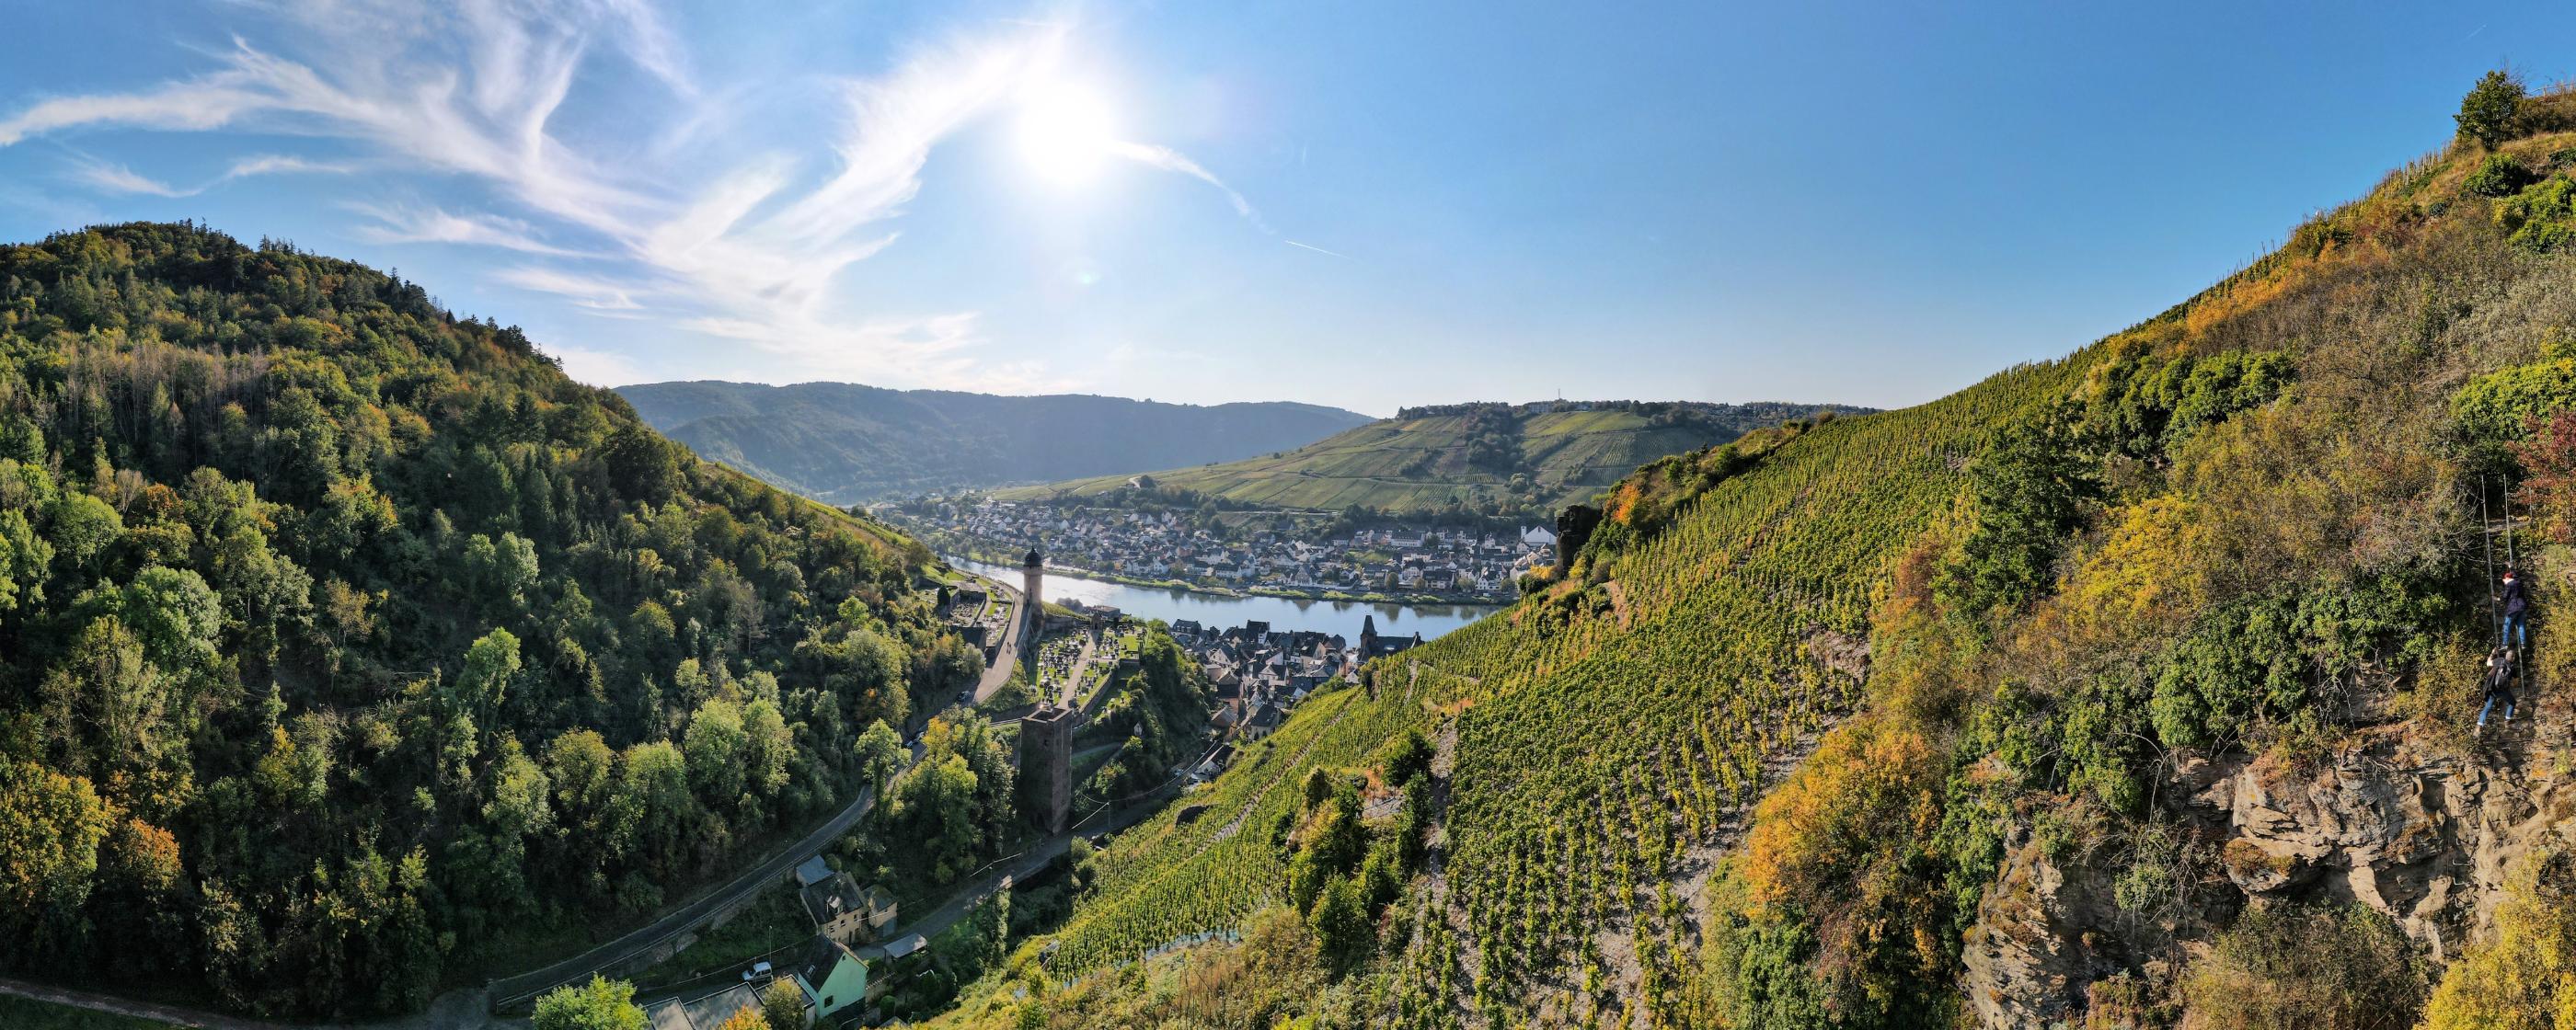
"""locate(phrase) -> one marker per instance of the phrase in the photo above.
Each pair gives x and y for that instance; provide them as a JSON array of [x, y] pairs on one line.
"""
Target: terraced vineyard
[[1599, 763], [1162, 879], [1592, 762]]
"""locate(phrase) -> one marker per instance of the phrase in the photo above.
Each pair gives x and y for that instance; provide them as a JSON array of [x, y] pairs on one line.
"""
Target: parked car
[[758, 971]]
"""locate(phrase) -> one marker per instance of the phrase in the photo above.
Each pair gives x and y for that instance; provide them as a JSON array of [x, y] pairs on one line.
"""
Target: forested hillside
[[2133, 689], [1485, 457], [350, 645], [850, 444]]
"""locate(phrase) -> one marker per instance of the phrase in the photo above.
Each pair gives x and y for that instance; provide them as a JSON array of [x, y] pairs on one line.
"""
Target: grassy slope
[[1569, 454]]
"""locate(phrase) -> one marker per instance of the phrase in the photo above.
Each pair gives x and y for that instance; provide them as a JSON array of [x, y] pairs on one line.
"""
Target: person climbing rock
[[2517, 604], [2501, 670]]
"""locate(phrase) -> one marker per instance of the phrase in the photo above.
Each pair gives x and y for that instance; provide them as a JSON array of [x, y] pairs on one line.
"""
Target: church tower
[[1368, 637]]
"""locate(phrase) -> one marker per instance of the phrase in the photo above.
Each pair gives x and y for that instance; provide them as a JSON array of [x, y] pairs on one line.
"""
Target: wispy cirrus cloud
[[590, 292], [284, 164], [396, 223], [205, 103], [1171, 160], [743, 244], [115, 178]]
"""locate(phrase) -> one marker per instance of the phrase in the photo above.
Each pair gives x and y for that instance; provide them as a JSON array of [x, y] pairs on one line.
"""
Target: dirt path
[[1236, 826]]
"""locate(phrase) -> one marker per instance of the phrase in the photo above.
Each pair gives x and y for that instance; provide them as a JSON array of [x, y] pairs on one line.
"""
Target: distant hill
[[1534, 455], [847, 443]]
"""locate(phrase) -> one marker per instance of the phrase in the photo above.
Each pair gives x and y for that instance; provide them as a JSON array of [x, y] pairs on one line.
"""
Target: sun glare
[[1066, 134]]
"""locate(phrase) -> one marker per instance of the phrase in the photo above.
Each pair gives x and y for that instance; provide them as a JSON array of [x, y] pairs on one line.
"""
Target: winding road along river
[[1224, 610]]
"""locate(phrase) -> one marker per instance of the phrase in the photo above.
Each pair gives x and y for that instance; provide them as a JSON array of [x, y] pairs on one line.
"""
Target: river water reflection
[[1221, 611]]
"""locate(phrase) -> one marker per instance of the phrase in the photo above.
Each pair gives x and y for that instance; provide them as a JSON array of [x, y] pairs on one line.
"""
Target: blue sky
[[1363, 204]]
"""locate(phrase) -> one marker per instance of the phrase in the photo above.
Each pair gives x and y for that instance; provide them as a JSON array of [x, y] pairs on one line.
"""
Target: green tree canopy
[[601, 1004]]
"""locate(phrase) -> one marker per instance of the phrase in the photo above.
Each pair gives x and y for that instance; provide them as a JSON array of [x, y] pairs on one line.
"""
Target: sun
[[1066, 133]]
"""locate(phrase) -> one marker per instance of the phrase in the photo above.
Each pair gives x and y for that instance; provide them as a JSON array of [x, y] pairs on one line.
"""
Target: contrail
[[1312, 247]]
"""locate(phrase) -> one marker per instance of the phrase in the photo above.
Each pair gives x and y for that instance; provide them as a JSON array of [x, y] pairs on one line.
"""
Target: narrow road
[[455, 1010], [1025, 863], [123, 1007], [513, 992]]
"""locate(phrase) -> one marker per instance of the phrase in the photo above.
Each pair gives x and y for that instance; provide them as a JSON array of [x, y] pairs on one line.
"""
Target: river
[[1223, 610]]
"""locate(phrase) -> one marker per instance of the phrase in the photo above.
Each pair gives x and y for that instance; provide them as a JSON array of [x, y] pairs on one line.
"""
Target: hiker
[[2517, 603], [2501, 669]]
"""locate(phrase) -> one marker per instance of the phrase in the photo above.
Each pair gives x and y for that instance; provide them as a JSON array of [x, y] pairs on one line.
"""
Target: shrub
[[2259, 662], [2542, 217], [2318, 968], [2031, 491], [2498, 176], [1406, 757], [2499, 408], [2492, 111], [1341, 926], [601, 1004]]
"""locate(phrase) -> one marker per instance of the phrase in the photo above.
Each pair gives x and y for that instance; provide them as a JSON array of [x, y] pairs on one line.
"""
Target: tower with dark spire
[[1368, 637]]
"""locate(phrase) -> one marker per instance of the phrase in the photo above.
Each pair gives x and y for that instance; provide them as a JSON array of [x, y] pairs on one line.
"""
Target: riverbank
[[1222, 590]]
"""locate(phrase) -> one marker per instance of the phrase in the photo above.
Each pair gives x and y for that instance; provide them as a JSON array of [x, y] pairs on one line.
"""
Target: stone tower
[[1046, 764], [1368, 637]]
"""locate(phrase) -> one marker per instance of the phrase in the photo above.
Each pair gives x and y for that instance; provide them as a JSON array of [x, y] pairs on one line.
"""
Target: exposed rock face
[[2025, 959], [2423, 836], [2423, 833]]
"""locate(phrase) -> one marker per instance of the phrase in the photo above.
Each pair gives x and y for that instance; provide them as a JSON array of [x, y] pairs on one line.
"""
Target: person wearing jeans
[[2501, 669], [2517, 606]]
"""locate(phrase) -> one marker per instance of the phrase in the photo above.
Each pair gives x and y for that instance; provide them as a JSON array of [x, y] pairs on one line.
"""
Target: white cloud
[[201, 104], [402, 224], [115, 178], [584, 291], [283, 164]]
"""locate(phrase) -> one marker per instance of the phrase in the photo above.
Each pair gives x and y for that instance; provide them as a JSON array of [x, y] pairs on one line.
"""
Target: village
[[1397, 560], [1258, 674]]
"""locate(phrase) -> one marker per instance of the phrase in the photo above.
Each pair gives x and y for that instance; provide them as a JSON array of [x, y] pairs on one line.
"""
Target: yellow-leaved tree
[[2523, 978], [747, 1017]]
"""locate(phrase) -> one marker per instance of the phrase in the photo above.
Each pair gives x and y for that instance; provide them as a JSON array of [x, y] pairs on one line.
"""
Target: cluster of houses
[[1261, 674], [1168, 546], [832, 972]]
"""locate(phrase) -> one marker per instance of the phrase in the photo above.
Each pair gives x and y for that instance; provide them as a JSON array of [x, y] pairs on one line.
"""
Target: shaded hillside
[[1529, 456], [2135, 689], [350, 645], [851, 444]]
